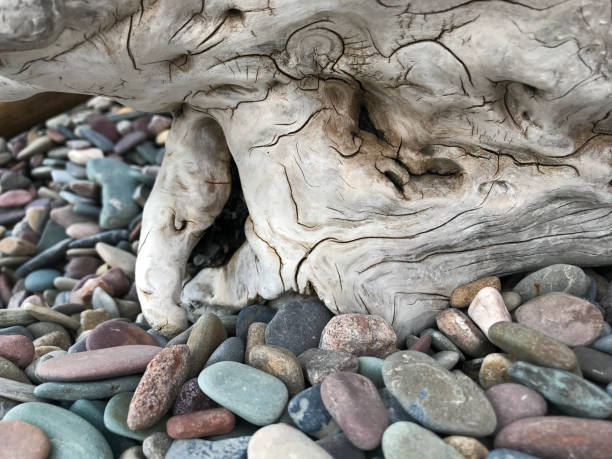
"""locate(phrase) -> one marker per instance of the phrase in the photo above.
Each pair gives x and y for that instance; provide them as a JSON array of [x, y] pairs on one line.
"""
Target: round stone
[[557, 437], [297, 325], [359, 334], [494, 370], [41, 279], [354, 403], [570, 320], [287, 441], [514, 401], [251, 314], [113, 333], [217, 421], [279, 362], [595, 365], [206, 335], [438, 399], [23, 440], [232, 349], [555, 278], [469, 447], [401, 437], [463, 332], [17, 348], [487, 308], [252, 394], [318, 363], [463, 295], [191, 398], [310, 415]]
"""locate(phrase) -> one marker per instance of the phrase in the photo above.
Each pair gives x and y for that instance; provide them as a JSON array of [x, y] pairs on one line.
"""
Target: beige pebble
[[469, 447], [493, 370], [463, 295], [487, 308], [256, 335]]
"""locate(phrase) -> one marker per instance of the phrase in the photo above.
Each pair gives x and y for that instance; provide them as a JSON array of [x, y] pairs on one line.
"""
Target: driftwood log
[[388, 150]]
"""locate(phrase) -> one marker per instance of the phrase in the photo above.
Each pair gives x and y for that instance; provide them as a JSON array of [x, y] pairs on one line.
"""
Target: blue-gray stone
[[508, 454], [148, 151], [50, 256], [92, 390], [125, 116], [161, 339], [93, 412], [251, 314], [124, 245], [591, 293], [403, 437], [115, 418], [310, 415], [79, 346], [555, 278], [232, 448], [440, 342], [145, 179], [298, 324], [72, 437], [604, 344], [571, 394], [87, 209], [609, 388], [252, 394], [339, 446], [51, 235], [395, 409], [118, 207], [606, 330], [232, 350], [73, 198], [96, 139], [63, 130], [41, 279], [78, 172], [111, 237], [371, 368], [61, 176], [16, 330]]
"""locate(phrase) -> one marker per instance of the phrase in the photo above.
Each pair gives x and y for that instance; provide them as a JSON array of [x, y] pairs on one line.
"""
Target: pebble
[[532, 346], [514, 401], [310, 415], [395, 410], [359, 334], [555, 278], [47, 314], [446, 359], [468, 447], [117, 258], [595, 365], [191, 398], [558, 437], [440, 342], [41, 279], [40, 145], [98, 138], [569, 319], [463, 295], [115, 418], [232, 448], [81, 230], [17, 391], [59, 339], [279, 362], [6, 405], [319, 363], [17, 348], [11, 371], [23, 440], [251, 314], [14, 246], [159, 386], [206, 335], [117, 333], [216, 421], [254, 395], [87, 390], [463, 332], [371, 368], [339, 446], [297, 325], [15, 198], [155, 446], [79, 267], [15, 317], [98, 364], [231, 349], [494, 370], [438, 399], [354, 403], [422, 344], [82, 156], [407, 440], [487, 308], [604, 344], [71, 436], [288, 443], [90, 319], [255, 336], [571, 394], [512, 300]]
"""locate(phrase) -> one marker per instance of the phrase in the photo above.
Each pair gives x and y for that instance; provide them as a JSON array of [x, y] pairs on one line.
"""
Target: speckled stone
[[569, 319], [494, 370], [255, 336], [401, 437], [191, 398], [155, 446], [514, 401], [595, 365], [555, 278], [233, 448], [288, 443], [318, 363], [216, 421], [354, 403], [206, 335], [463, 332], [558, 437], [438, 399], [310, 415], [231, 349], [359, 334], [17, 348], [20, 439], [468, 447], [573, 395], [280, 362], [59, 339], [463, 295], [114, 333], [159, 386]]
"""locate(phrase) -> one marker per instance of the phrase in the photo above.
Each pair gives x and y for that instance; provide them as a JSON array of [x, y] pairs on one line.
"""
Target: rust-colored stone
[[20, 439], [463, 295], [217, 421]]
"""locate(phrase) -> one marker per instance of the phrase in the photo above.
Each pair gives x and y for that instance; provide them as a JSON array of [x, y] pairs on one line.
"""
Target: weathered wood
[[388, 151]]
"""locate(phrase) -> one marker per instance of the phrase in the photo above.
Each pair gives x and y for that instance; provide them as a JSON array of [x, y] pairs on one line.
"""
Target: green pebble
[[371, 368], [115, 418], [93, 390]]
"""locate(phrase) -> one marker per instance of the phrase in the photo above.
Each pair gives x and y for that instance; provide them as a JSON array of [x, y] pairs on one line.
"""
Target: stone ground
[[516, 367]]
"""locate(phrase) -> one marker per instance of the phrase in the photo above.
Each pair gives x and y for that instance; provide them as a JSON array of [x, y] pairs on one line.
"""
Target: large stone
[[436, 398], [359, 334], [23, 440], [280, 441], [556, 278], [569, 319], [310, 415], [514, 401], [318, 363], [404, 440]]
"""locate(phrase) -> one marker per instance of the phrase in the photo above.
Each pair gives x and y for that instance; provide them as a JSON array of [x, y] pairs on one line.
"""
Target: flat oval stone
[[494, 370], [310, 415], [468, 447], [569, 319], [231, 448], [463, 295], [115, 333], [571, 394], [252, 394], [191, 398], [279, 362], [94, 390], [206, 335], [98, 364], [297, 325], [514, 401], [23, 440], [359, 334], [252, 314], [558, 437], [158, 387], [231, 349], [17, 348], [555, 278], [287, 441], [41, 279], [595, 365], [354, 403], [216, 421], [72, 437], [438, 399], [487, 308], [318, 363], [115, 418], [532, 346], [46, 314], [401, 437], [371, 368], [463, 332]]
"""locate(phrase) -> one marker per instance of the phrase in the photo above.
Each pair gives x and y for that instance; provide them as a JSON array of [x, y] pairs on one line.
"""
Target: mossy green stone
[[93, 390], [115, 418], [253, 395], [72, 437], [371, 368], [407, 439]]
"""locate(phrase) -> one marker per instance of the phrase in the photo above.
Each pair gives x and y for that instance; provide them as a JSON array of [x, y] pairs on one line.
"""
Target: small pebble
[[494, 370], [468, 447], [216, 421], [462, 296], [203, 449], [310, 415], [280, 362], [191, 398], [206, 335], [115, 333]]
